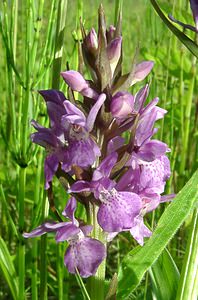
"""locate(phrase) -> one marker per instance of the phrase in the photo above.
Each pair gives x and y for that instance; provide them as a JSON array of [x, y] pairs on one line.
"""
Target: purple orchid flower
[[68, 142], [55, 145], [145, 149], [117, 209], [84, 253], [148, 181], [82, 150]]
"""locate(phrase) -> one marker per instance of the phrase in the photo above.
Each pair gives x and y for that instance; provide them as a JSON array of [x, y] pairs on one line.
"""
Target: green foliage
[[139, 260], [164, 277], [8, 269], [191, 45], [29, 43]]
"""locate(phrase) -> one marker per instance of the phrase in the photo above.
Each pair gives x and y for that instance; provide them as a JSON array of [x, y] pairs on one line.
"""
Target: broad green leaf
[[164, 277], [191, 45], [139, 260], [8, 270]]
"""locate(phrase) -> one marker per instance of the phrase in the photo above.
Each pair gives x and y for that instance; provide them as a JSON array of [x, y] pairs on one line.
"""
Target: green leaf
[[8, 270], [138, 261], [164, 277], [191, 45]]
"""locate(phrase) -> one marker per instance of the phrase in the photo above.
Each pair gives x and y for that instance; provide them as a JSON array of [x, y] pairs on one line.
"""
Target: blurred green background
[[29, 47]]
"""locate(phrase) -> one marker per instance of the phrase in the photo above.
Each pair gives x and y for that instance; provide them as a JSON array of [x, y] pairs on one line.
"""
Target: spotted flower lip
[[117, 209], [83, 253]]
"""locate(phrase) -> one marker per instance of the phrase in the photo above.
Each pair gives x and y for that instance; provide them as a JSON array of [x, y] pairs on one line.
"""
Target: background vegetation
[[39, 38]]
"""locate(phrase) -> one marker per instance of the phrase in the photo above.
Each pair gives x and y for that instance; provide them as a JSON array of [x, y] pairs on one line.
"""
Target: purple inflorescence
[[105, 143]]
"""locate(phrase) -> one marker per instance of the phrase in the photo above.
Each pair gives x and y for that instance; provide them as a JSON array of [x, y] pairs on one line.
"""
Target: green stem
[[60, 27], [96, 283], [34, 251], [21, 255], [43, 250], [187, 289]]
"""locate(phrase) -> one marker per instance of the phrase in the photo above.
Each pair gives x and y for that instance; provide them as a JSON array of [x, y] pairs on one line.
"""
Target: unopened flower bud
[[111, 32], [75, 80], [92, 40], [114, 52], [122, 105], [77, 83], [142, 70]]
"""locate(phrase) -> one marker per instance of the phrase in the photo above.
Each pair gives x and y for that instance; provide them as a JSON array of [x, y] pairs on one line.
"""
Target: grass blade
[[8, 270], [164, 277], [190, 266]]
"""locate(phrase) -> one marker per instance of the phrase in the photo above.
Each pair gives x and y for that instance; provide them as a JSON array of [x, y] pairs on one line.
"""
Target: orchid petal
[[142, 70], [67, 232], [70, 209], [85, 256], [105, 167], [53, 96], [71, 109], [94, 111], [50, 168]]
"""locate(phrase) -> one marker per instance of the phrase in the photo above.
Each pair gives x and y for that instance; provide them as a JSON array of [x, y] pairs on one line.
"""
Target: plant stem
[[60, 27], [21, 255], [187, 289], [43, 248], [96, 283], [34, 251]]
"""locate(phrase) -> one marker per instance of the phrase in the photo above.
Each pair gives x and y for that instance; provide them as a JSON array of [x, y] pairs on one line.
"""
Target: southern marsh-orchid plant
[[105, 144]]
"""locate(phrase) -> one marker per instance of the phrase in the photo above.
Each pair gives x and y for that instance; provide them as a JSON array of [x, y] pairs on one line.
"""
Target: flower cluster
[[123, 178]]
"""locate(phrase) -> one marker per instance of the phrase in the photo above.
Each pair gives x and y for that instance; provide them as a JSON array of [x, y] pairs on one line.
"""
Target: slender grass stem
[[37, 28], [185, 149], [60, 27], [118, 9], [187, 289]]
